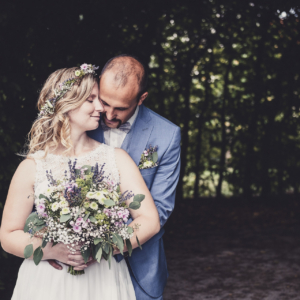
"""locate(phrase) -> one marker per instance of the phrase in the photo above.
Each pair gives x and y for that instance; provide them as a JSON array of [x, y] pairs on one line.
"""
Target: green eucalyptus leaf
[[109, 256], [98, 254], [108, 202], [135, 205], [78, 213], [138, 243], [65, 218], [92, 219], [54, 243], [38, 255], [41, 196], [129, 247], [97, 241], [118, 241], [154, 157], [129, 229], [86, 216], [105, 247], [118, 189], [31, 218], [44, 243], [139, 198], [86, 254], [28, 251]]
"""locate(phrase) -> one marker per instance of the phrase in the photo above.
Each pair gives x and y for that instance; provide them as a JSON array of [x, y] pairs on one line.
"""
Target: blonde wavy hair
[[49, 131]]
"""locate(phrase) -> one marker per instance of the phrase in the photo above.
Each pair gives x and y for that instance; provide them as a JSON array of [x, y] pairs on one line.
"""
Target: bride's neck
[[81, 144]]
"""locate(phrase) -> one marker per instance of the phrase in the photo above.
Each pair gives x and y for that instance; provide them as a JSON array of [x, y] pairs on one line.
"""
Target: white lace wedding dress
[[99, 282]]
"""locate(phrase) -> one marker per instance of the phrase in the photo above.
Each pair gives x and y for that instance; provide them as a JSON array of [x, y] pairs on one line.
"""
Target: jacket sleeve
[[166, 179]]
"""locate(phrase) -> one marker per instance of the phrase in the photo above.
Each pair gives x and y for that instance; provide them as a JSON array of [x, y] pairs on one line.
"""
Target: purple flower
[[79, 221], [40, 208], [77, 228], [44, 215], [85, 224]]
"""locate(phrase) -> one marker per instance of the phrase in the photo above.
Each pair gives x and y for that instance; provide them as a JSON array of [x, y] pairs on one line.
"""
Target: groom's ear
[[142, 98]]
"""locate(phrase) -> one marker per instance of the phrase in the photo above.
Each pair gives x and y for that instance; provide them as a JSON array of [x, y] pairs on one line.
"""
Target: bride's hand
[[62, 253]]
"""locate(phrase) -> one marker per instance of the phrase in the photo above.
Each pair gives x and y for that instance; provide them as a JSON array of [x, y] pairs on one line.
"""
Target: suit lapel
[[136, 140]]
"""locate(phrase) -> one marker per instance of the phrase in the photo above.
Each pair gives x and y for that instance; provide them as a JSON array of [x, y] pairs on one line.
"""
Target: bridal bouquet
[[84, 208]]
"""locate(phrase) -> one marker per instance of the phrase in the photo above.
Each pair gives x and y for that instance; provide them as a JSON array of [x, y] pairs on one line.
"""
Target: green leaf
[[97, 241], [135, 205], [44, 243], [154, 157], [139, 198], [92, 219], [41, 196], [98, 254], [108, 202], [38, 255], [38, 222], [129, 229], [109, 256], [65, 218], [88, 171], [118, 189], [33, 216], [118, 241], [54, 243], [129, 247], [78, 213], [105, 247], [86, 216], [28, 251], [86, 254], [138, 243]]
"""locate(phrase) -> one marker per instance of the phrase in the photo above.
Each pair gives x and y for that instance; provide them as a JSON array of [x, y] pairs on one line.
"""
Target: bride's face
[[87, 116]]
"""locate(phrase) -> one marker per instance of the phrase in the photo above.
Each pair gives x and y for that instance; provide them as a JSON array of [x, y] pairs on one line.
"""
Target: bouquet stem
[[75, 272]]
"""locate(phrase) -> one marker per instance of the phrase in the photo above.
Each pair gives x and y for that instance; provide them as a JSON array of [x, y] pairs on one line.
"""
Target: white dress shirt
[[114, 137]]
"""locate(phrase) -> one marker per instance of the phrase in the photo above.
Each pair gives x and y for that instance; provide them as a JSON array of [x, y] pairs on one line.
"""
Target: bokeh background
[[226, 72]]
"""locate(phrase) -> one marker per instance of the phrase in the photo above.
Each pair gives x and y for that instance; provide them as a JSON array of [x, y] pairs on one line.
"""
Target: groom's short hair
[[128, 65]]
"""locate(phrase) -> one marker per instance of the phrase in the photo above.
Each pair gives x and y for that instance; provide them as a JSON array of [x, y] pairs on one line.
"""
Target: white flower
[[55, 206], [63, 203], [65, 211], [147, 164], [115, 196], [101, 196], [94, 206], [90, 195], [49, 191]]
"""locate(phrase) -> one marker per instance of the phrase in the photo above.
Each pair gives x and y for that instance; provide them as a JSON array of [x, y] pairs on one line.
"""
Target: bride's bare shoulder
[[26, 170], [123, 158]]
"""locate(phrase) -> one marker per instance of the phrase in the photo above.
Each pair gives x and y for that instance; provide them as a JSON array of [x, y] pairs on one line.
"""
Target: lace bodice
[[58, 164]]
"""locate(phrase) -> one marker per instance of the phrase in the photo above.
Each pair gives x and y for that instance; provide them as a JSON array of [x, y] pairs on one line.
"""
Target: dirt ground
[[222, 251], [234, 251], [247, 266]]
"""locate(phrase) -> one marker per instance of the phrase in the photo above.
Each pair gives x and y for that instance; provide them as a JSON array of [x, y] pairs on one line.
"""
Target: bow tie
[[124, 127]]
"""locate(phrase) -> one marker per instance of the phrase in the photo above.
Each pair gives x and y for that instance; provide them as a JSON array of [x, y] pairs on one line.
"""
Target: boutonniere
[[149, 158]]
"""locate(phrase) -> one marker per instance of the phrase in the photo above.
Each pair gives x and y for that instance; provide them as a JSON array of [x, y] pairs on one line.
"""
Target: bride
[[69, 107]]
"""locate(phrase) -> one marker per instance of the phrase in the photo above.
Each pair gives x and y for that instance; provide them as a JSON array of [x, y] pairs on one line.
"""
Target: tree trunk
[[223, 142]]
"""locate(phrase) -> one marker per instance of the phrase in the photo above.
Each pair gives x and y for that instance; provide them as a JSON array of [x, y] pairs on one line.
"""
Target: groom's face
[[119, 102]]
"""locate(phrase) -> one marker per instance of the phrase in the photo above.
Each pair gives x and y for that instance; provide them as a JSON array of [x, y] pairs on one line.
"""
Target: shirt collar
[[132, 119]]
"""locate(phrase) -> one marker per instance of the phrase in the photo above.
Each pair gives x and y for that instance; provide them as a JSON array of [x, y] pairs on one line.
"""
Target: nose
[[110, 113], [99, 106]]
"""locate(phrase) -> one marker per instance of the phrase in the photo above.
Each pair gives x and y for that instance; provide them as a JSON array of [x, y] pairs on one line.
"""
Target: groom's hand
[[54, 264]]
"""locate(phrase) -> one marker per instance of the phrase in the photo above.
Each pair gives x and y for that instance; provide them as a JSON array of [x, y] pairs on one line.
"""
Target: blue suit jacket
[[149, 265]]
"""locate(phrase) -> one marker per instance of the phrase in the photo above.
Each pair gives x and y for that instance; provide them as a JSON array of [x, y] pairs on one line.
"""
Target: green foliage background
[[226, 72]]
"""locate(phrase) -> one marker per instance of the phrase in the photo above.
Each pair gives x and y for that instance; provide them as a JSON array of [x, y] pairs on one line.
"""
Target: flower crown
[[64, 87]]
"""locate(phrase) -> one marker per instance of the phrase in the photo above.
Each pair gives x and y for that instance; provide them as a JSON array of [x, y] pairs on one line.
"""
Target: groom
[[126, 123]]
